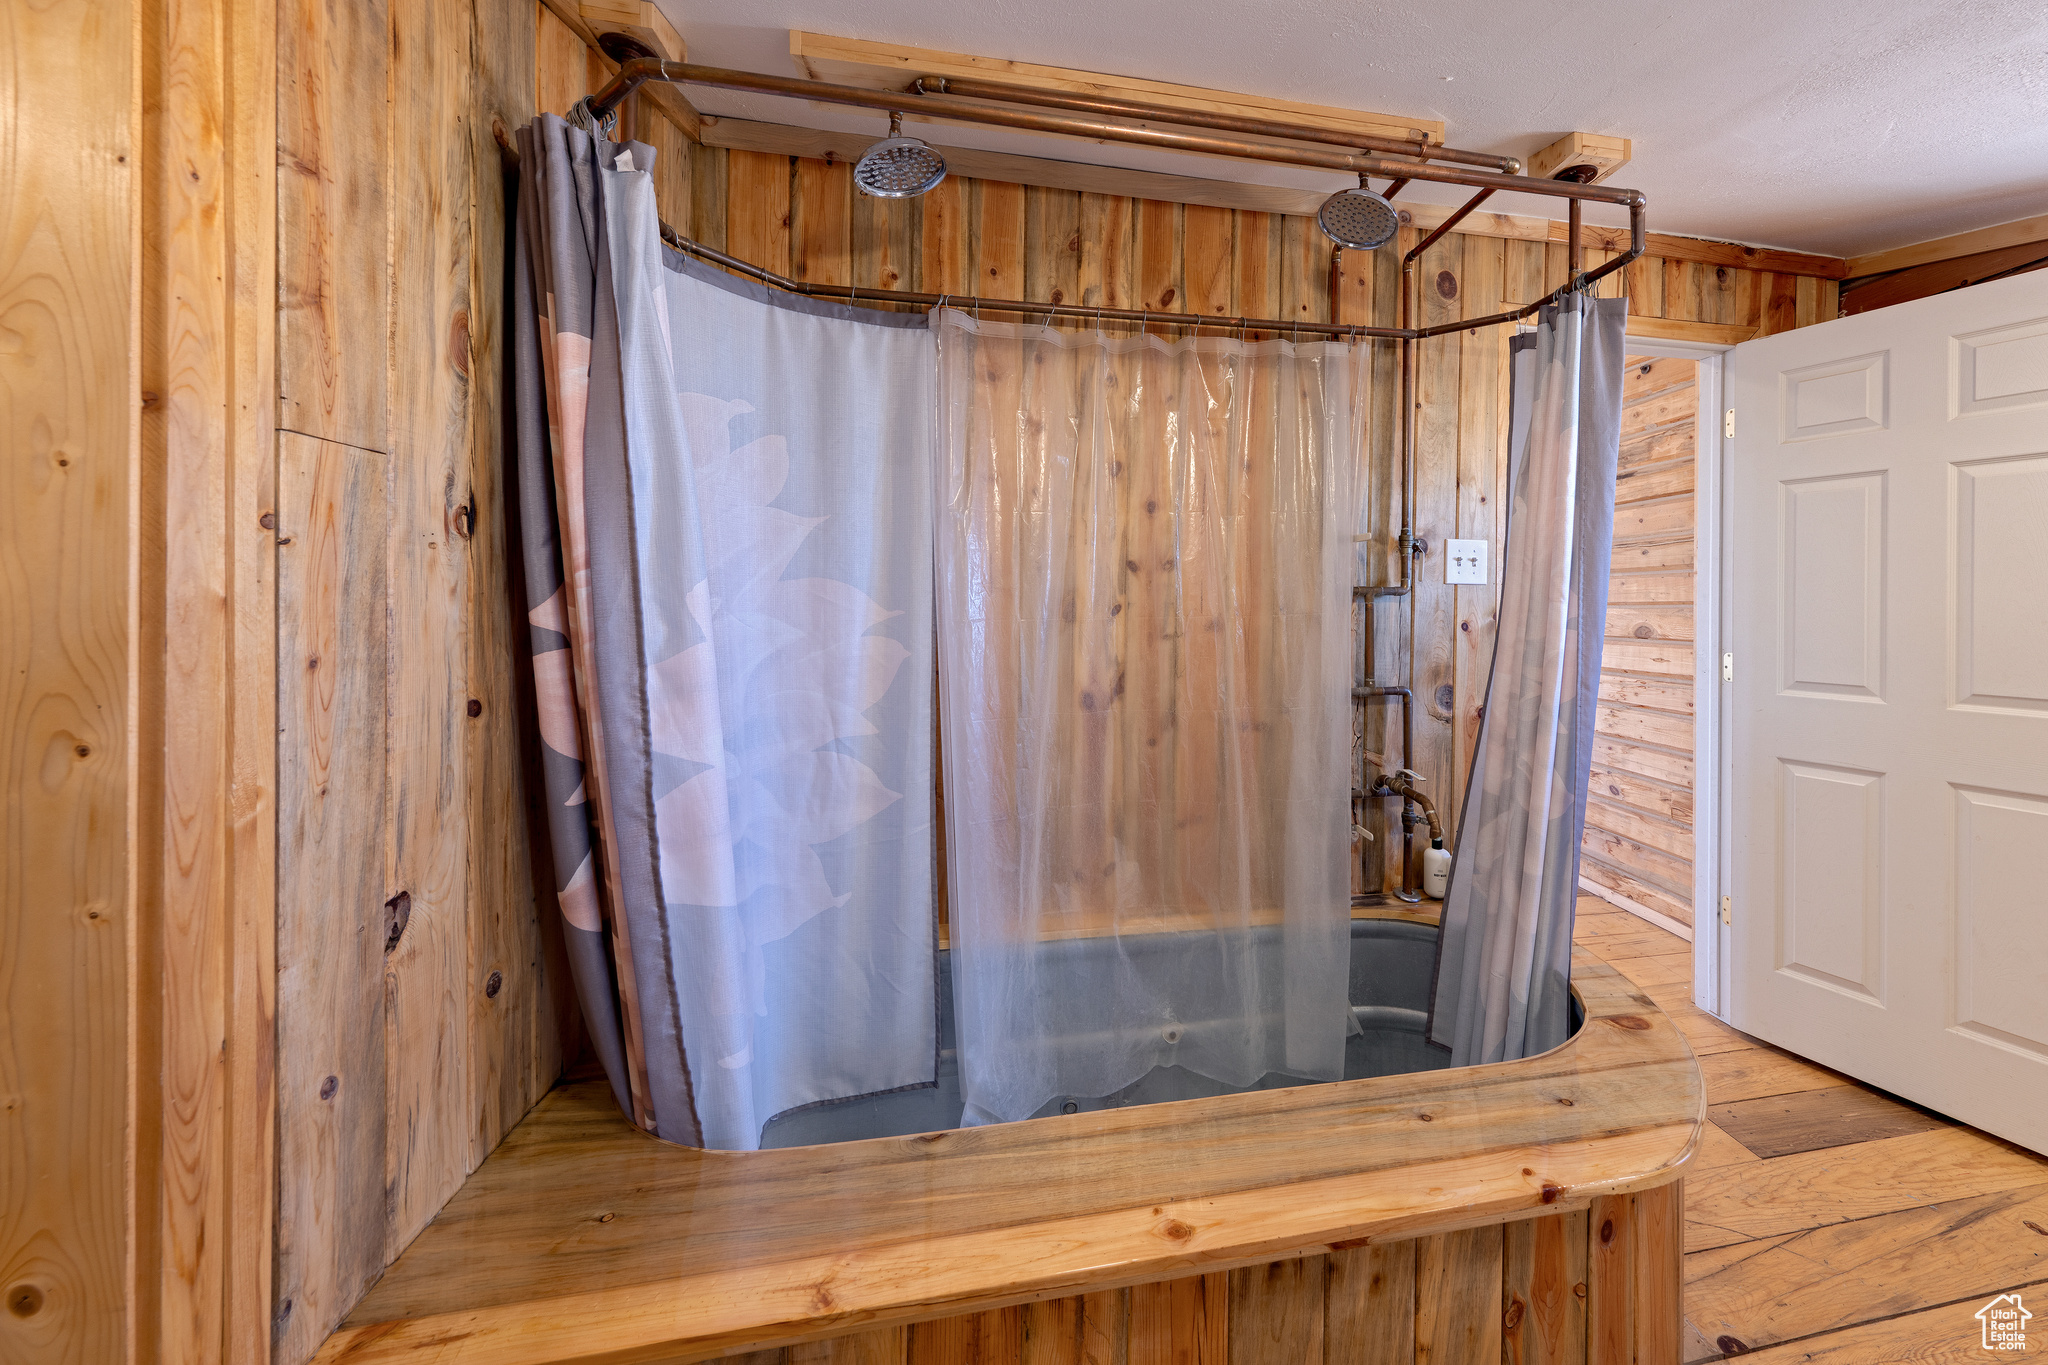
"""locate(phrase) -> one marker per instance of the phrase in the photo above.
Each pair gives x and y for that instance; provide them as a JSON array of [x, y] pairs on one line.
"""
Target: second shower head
[[899, 167], [1358, 220]]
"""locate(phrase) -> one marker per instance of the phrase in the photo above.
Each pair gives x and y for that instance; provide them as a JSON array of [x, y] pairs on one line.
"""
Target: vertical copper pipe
[[1575, 249], [1408, 891]]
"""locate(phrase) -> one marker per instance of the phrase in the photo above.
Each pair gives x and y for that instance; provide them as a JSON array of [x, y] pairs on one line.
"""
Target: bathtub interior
[[1391, 965]]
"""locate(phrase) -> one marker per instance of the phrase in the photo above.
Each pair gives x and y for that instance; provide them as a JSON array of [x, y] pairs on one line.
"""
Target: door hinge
[[1727, 668], [1728, 424], [1727, 906]]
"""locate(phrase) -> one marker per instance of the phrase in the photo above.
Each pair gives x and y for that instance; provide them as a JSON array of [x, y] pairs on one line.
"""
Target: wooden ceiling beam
[[888, 66], [1948, 248], [1938, 277]]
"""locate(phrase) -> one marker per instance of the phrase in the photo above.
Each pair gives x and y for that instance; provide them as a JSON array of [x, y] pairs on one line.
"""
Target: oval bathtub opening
[[1392, 962]]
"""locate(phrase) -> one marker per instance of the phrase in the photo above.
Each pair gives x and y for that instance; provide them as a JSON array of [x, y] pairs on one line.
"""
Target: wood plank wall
[[137, 284], [1598, 1286], [69, 664], [1639, 827], [422, 1008]]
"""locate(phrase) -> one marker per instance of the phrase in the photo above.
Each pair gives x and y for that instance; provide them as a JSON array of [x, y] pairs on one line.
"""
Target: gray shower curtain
[[1504, 958], [729, 549]]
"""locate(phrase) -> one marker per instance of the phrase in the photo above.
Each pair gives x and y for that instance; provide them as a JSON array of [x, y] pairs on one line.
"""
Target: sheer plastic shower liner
[[1144, 560]]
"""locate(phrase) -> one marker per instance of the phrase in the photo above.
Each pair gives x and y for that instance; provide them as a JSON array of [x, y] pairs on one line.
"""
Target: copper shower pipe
[[633, 73], [1409, 333], [1114, 107]]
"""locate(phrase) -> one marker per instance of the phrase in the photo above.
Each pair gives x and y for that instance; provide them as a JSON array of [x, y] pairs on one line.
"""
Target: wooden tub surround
[[1531, 1206]]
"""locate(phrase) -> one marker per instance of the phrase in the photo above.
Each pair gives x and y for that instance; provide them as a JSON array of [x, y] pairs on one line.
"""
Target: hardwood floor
[[1827, 1222]]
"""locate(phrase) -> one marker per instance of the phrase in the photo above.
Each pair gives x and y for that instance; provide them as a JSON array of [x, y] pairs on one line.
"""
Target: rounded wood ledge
[[583, 1239]]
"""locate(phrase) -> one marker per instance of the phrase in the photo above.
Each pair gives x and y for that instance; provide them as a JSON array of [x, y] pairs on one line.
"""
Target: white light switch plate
[[1465, 561]]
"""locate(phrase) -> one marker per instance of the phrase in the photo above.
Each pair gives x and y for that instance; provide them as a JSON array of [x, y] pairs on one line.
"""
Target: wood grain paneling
[[1516, 1293], [332, 707], [1458, 1297], [334, 271], [1638, 846], [138, 293], [186, 362], [247, 33], [206, 669], [1543, 1312], [561, 63], [1180, 1322], [419, 1009], [1276, 1311], [518, 1035], [68, 518], [426, 855], [671, 154], [757, 207]]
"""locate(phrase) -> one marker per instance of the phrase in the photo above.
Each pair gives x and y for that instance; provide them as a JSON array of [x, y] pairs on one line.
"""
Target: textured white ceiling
[[1817, 125]]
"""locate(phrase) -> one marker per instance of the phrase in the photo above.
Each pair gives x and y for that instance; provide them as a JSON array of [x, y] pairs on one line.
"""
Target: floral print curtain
[[734, 660]]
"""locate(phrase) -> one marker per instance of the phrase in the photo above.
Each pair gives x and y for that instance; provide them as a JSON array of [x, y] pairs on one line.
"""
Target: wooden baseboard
[[1621, 902]]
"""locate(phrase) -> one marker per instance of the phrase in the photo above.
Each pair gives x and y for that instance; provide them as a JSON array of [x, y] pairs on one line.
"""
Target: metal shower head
[[1358, 220], [898, 167]]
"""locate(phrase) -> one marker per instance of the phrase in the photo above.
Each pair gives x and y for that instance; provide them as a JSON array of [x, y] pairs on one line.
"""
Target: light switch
[[1464, 561]]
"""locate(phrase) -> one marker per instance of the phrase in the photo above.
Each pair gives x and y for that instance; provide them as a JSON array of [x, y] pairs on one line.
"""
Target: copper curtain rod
[[1142, 316]]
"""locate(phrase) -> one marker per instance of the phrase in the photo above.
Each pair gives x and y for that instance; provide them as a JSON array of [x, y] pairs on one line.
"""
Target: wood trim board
[[1945, 248], [1938, 277]]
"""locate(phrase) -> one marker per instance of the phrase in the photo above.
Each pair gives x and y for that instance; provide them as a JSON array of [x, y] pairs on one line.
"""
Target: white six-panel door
[[1888, 717]]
